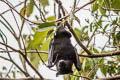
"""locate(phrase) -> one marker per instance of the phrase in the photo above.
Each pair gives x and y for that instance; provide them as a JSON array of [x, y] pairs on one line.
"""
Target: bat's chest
[[62, 43], [63, 48]]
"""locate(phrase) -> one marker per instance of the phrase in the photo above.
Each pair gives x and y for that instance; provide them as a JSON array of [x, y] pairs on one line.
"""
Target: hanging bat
[[62, 53]]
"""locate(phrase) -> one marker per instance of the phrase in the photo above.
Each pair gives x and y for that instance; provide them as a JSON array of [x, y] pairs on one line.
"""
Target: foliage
[[104, 22]]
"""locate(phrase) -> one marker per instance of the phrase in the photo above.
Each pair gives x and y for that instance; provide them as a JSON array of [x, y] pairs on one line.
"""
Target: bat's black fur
[[62, 53]]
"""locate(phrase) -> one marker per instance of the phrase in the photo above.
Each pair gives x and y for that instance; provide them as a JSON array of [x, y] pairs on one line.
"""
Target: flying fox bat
[[62, 53]]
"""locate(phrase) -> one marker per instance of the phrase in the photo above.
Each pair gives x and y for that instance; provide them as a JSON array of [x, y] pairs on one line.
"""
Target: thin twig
[[43, 61], [11, 60], [109, 9], [54, 21], [101, 55], [42, 16], [24, 58], [13, 7], [14, 64], [20, 14], [9, 70], [10, 28], [107, 54], [81, 77], [64, 17], [79, 42], [92, 1], [28, 51], [110, 78]]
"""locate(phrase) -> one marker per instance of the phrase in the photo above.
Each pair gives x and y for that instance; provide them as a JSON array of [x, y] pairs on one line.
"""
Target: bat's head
[[61, 32], [64, 67]]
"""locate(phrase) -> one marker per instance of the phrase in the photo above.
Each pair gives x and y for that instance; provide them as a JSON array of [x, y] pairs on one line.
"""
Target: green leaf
[[4, 68], [102, 11], [106, 4], [118, 57], [101, 1], [82, 34], [1, 75], [37, 18], [49, 33], [44, 3], [100, 23], [77, 19], [92, 49], [91, 27], [14, 75], [78, 32], [51, 18], [46, 25], [118, 36], [45, 47], [22, 13], [38, 39], [94, 6], [104, 69], [114, 22], [29, 8], [83, 64], [34, 59], [76, 73], [104, 29], [95, 50], [101, 61], [84, 28], [88, 64], [64, 77], [111, 4], [115, 4], [76, 78]]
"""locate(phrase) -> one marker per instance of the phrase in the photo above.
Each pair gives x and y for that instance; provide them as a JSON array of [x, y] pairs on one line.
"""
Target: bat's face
[[64, 67]]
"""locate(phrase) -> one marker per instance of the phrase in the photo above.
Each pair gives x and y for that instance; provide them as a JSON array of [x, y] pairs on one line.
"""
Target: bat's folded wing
[[50, 54], [77, 61]]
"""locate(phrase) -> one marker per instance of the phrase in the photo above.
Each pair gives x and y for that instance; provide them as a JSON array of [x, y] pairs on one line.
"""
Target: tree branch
[[13, 7], [78, 41], [81, 55], [109, 9], [25, 57], [101, 55], [21, 79], [54, 21], [29, 51], [110, 78], [64, 17]]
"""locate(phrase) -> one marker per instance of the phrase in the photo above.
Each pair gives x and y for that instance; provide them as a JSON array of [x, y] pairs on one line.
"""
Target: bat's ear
[[77, 61]]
